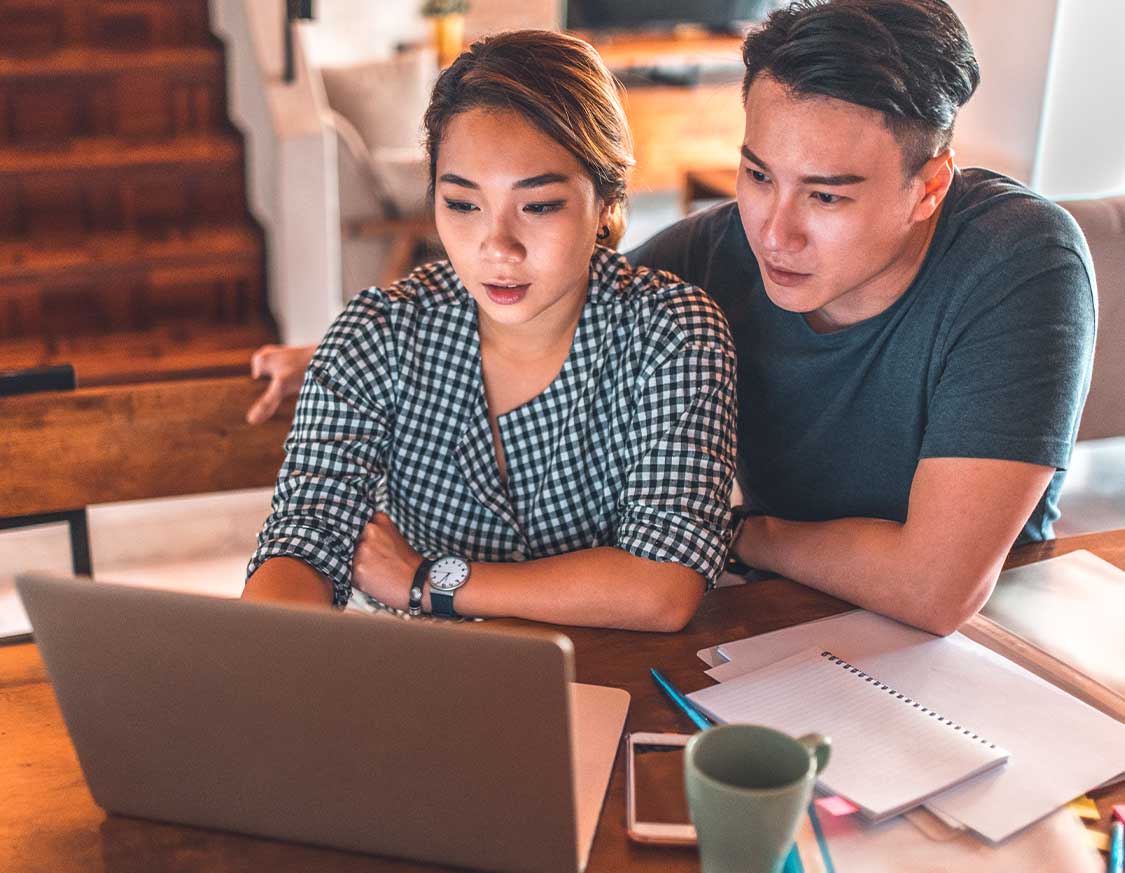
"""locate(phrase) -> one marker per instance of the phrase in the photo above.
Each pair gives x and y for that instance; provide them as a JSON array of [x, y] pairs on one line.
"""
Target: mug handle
[[819, 746]]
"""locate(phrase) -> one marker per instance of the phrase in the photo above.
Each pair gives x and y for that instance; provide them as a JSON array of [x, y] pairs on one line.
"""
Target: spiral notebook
[[889, 752]]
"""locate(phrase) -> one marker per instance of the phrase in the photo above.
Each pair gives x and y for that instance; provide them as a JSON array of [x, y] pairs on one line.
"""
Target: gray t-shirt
[[986, 355]]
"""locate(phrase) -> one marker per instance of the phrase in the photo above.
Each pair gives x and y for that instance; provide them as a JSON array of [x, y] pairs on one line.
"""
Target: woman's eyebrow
[[541, 180], [531, 182], [460, 181]]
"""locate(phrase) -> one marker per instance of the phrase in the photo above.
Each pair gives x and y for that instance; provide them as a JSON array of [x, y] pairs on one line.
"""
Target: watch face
[[448, 574]]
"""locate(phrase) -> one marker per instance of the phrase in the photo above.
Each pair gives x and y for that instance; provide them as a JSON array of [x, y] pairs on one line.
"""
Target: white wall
[[290, 166], [1082, 147], [999, 127], [352, 31], [490, 16]]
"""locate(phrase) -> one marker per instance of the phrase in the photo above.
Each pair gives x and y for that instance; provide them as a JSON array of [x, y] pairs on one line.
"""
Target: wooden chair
[[65, 450]]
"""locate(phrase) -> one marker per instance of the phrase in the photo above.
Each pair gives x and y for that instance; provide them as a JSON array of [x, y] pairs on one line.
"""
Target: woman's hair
[[557, 83]]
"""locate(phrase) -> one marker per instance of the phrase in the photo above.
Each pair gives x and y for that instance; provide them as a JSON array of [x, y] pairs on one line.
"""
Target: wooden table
[[49, 823]]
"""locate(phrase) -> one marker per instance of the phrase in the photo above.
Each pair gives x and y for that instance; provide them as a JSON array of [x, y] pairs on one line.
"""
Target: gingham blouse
[[632, 444]]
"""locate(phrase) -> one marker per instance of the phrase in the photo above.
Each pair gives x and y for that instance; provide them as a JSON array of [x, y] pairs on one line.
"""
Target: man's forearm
[[872, 563]]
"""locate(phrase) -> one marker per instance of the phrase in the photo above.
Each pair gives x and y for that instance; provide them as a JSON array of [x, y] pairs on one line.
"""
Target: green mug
[[747, 788]]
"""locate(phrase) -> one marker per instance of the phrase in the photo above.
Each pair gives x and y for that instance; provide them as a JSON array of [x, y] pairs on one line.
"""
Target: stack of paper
[[889, 751], [1060, 747]]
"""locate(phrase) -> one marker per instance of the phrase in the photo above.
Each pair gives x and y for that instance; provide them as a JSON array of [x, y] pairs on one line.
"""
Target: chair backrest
[[62, 450], [1103, 222]]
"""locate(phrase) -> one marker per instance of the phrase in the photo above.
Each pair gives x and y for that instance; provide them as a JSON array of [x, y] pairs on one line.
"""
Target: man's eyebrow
[[840, 179], [531, 182]]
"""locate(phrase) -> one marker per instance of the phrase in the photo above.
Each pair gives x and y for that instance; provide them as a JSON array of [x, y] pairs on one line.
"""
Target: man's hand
[[384, 564], [285, 367]]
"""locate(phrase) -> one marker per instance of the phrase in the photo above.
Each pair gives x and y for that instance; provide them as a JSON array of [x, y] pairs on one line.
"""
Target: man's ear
[[935, 178]]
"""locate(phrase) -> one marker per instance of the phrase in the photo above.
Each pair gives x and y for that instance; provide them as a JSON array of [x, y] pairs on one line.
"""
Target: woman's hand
[[384, 564], [285, 367]]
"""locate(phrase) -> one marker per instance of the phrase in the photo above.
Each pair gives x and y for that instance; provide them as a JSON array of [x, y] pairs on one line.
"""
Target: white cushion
[[384, 99]]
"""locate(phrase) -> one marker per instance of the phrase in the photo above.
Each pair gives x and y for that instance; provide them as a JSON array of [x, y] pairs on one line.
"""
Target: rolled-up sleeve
[[676, 502], [334, 472]]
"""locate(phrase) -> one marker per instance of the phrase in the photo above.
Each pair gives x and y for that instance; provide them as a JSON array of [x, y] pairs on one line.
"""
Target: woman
[[547, 424]]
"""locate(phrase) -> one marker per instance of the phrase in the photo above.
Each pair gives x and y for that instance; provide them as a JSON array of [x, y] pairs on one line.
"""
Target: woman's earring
[[603, 234]]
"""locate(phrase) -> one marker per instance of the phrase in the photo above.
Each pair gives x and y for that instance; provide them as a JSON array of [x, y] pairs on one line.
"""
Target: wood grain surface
[[49, 823], [66, 450]]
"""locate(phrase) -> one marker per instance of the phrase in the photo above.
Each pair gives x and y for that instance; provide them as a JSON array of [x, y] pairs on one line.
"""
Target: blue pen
[[686, 706], [1116, 850]]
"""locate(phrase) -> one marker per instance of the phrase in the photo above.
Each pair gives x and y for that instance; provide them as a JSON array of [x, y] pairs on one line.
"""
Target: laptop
[[461, 744]]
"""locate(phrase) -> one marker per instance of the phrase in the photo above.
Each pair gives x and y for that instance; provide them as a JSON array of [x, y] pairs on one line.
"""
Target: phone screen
[[658, 772]]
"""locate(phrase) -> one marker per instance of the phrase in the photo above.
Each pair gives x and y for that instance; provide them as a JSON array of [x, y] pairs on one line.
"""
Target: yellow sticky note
[[1098, 840], [1085, 807]]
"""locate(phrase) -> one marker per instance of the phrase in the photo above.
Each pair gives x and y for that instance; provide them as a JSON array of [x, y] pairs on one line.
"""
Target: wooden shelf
[[676, 128]]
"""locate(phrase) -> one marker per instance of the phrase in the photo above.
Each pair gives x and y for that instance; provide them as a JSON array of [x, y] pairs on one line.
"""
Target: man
[[914, 341]]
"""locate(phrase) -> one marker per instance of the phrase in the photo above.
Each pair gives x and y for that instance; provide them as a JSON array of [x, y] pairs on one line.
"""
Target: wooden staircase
[[126, 247]]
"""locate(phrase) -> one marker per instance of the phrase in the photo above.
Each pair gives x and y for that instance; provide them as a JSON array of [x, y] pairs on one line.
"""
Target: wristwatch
[[418, 586], [446, 576]]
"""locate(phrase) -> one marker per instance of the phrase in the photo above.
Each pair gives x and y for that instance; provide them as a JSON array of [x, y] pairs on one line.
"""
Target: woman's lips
[[506, 295], [785, 277]]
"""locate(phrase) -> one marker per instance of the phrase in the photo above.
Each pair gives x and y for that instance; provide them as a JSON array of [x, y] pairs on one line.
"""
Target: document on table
[[1060, 747], [1073, 608], [1057, 843], [889, 751]]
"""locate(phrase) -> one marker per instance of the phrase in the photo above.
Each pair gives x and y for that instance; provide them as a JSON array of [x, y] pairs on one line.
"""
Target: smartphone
[[655, 802]]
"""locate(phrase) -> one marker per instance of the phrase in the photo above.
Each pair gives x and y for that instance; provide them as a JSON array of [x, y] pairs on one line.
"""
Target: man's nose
[[782, 231]]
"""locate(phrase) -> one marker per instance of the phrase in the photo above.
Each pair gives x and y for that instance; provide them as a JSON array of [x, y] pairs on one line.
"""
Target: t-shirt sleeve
[[329, 485], [1017, 362], [676, 502]]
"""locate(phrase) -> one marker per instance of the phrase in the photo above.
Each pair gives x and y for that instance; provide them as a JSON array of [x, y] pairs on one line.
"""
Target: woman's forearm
[[600, 587], [288, 580]]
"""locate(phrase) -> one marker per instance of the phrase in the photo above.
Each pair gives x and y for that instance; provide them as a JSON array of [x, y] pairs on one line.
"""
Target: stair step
[[110, 253], [87, 92], [164, 353], [112, 154], [126, 247], [82, 61], [41, 26], [129, 282], [150, 201]]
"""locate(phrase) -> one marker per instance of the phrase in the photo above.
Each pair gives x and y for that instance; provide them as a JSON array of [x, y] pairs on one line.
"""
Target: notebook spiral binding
[[866, 677]]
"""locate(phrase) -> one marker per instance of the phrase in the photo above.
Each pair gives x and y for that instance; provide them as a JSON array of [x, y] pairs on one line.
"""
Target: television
[[716, 15]]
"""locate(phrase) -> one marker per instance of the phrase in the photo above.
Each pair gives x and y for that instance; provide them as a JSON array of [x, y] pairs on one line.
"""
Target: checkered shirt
[[632, 444]]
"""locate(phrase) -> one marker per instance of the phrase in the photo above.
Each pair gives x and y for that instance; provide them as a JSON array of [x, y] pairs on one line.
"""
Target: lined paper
[[889, 752]]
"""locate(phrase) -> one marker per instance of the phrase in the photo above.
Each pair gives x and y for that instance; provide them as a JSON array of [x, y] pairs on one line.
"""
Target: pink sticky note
[[1119, 812], [839, 806]]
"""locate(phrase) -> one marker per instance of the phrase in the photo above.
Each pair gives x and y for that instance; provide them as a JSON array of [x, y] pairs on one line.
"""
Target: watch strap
[[418, 586], [734, 564], [441, 603]]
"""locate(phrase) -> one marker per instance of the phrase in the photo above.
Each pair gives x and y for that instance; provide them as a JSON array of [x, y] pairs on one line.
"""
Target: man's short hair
[[911, 60]]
